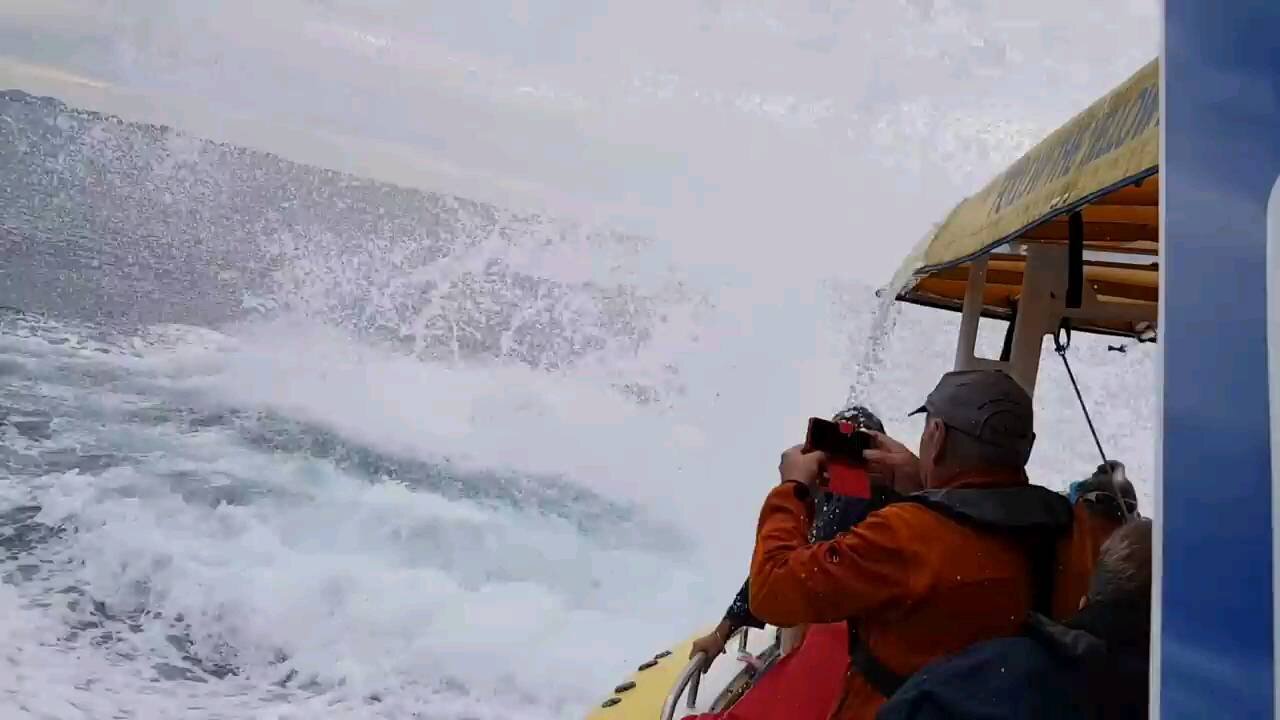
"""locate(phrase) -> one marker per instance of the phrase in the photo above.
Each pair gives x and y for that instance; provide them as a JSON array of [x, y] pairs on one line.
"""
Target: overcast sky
[[838, 126]]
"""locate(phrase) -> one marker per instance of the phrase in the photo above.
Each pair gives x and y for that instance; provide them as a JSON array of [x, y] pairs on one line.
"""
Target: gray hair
[[1123, 574]]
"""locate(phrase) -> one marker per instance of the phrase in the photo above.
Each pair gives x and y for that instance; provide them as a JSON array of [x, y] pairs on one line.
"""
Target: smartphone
[[840, 441]]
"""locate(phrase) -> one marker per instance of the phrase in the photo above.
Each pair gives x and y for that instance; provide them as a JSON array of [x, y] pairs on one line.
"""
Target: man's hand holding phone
[[802, 466], [891, 459], [842, 442]]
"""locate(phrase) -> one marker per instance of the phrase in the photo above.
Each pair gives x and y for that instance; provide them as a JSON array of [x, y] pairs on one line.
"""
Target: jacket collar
[[983, 478], [1120, 625], [1066, 642], [1094, 631]]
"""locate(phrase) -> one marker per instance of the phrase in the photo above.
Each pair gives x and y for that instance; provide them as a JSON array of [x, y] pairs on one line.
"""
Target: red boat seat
[[803, 685]]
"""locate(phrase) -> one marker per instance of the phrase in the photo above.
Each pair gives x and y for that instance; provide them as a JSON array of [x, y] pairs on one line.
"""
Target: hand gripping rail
[[691, 677]]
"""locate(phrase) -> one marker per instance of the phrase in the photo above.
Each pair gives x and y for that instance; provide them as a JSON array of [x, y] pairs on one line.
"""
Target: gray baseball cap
[[987, 405]]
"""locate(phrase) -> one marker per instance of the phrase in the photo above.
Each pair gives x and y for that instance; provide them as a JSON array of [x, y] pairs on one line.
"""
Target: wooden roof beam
[[1095, 232]]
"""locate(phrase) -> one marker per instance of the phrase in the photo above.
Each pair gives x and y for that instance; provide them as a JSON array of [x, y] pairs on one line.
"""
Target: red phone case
[[848, 480], [844, 479]]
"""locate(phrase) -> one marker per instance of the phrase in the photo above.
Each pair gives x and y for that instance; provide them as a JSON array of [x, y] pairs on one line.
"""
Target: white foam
[[774, 178], [453, 605]]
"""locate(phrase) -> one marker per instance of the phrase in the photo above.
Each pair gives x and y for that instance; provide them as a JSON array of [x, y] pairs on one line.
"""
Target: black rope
[[1061, 348]]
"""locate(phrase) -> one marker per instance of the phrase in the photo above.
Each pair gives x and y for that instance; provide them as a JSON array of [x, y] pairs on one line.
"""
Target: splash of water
[[468, 452], [884, 319]]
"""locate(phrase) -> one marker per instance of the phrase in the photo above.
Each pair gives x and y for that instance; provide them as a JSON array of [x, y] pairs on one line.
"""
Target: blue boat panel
[[1221, 125]]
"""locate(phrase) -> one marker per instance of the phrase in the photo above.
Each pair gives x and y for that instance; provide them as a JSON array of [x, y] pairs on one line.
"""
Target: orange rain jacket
[[1077, 555], [915, 584]]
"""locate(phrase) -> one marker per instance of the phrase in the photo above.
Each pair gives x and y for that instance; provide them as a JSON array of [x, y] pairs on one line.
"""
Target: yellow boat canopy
[[1104, 164]]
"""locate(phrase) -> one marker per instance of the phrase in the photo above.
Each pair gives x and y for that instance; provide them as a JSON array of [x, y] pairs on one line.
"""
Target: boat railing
[[691, 677]]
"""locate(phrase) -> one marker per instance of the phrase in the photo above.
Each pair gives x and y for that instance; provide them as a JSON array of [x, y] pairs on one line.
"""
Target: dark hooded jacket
[[1092, 667]]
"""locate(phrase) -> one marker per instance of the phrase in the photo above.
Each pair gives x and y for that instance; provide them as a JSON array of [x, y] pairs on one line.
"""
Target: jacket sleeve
[[794, 581], [739, 612]]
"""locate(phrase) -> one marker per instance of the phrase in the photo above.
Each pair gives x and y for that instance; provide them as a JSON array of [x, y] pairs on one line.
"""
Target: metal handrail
[[692, 670], [691, 676]]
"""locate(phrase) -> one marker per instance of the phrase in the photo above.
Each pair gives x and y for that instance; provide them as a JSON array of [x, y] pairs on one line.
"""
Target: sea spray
[[884, 318]]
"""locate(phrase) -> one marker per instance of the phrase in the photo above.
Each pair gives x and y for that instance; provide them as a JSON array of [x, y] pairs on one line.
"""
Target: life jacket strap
[[885, 681]]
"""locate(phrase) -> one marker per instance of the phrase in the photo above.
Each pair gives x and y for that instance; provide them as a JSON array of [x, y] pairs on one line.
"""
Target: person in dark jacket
[[1092, 667], [836, 514]]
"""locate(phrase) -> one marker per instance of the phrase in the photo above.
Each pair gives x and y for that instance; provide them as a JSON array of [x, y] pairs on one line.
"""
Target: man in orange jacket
[[961, 562]]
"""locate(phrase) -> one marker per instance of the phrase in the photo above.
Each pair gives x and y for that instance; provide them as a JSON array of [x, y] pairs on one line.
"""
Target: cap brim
[[918, 410]]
